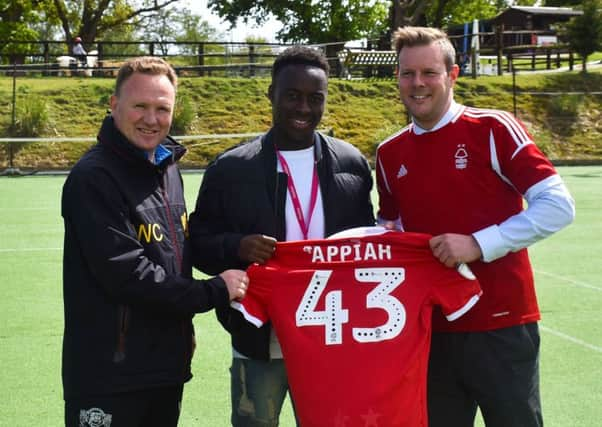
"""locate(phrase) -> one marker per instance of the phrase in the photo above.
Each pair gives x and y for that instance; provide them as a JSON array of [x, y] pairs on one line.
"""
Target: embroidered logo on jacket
[[94, 417], [150, 232], [184, 220]]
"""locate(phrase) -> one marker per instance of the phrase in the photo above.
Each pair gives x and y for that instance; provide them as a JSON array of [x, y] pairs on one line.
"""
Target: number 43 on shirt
[[334, 315]]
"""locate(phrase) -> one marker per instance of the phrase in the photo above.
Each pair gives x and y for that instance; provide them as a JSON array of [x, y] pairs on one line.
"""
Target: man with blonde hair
[[129, 295], [461, 174]]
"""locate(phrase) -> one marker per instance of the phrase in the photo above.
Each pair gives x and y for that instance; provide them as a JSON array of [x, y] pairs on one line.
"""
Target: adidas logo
[[402, 171]]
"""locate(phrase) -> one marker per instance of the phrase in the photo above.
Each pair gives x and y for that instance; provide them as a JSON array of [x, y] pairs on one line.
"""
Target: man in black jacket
[[129, 295], [292, 183]]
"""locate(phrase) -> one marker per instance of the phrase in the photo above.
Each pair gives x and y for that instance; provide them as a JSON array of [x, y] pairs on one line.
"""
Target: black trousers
[[498, 371], [159, 407]]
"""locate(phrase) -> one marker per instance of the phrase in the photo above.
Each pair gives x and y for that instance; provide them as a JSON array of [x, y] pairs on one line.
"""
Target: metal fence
[[188, 58], [35, 159], [254, 59]]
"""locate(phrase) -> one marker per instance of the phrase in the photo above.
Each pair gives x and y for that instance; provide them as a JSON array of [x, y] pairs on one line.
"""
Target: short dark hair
[[300, 55], [150, 65]]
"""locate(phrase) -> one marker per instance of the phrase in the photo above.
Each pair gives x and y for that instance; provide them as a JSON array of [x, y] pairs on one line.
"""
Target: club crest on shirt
[[461, 157], [94, 417]]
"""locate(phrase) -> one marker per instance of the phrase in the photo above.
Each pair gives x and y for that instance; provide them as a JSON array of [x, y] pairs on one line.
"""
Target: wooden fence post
[[252, 60], [473, 63], [100, 60], [533, 56], [46, 58], [499, 43], [201, 57]]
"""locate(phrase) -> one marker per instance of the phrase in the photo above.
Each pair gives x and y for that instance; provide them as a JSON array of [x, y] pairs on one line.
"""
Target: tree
[[180, 25], [160, 27], [193, 28], [339, 20], [119, 35], [407, 12], [17, 17], [585, 31], [442, 13], [310, 21], [438, 13], [91, 19]]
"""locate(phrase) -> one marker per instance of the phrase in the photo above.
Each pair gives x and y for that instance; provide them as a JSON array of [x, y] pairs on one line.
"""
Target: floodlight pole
[[514, 90], [14, 117], [11, 170]]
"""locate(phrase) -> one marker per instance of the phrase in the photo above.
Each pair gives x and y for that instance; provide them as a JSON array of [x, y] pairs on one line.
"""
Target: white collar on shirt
[[447, 117]]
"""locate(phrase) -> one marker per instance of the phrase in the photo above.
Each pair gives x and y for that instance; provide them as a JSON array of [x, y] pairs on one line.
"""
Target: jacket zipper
[[172, 227], [174, 238]]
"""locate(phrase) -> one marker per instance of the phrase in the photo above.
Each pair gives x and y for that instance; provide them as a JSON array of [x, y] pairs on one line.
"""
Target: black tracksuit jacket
[[129, 296], [243, 194]]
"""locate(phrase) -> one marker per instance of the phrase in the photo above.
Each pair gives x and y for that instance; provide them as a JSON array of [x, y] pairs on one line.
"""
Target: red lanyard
[[295, 197]]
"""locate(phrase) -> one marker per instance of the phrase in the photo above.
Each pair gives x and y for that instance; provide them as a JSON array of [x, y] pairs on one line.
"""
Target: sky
[[241, 31]]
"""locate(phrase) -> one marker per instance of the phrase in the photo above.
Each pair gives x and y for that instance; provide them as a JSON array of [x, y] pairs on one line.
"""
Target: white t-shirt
[[301, 166]]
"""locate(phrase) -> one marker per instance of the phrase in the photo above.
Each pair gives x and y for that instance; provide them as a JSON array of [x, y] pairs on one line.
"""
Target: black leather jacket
[[243, 194], [128, 290]]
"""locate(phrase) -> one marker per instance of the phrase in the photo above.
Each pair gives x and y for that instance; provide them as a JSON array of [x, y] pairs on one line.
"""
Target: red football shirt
[[353, 317], [461, 178]]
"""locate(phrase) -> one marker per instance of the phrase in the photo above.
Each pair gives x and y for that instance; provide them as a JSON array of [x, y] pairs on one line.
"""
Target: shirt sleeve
[[517, 161], [254, 307], [550, 208], [387, 206], [457, 291]]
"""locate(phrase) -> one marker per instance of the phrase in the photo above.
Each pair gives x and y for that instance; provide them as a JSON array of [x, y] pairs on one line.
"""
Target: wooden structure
[[520, 25], [367, 63], [517, 32], [541, 20]]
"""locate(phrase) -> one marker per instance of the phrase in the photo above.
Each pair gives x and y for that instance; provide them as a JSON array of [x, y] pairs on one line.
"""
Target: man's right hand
[[256, 248], [237, 282], [453, 249]]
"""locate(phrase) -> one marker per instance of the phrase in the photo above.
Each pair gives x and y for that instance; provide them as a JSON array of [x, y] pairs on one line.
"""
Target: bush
[[184, 115], [31, 118]]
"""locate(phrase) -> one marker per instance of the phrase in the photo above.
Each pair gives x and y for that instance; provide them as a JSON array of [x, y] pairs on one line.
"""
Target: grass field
[[565, 122], [568, 268]]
